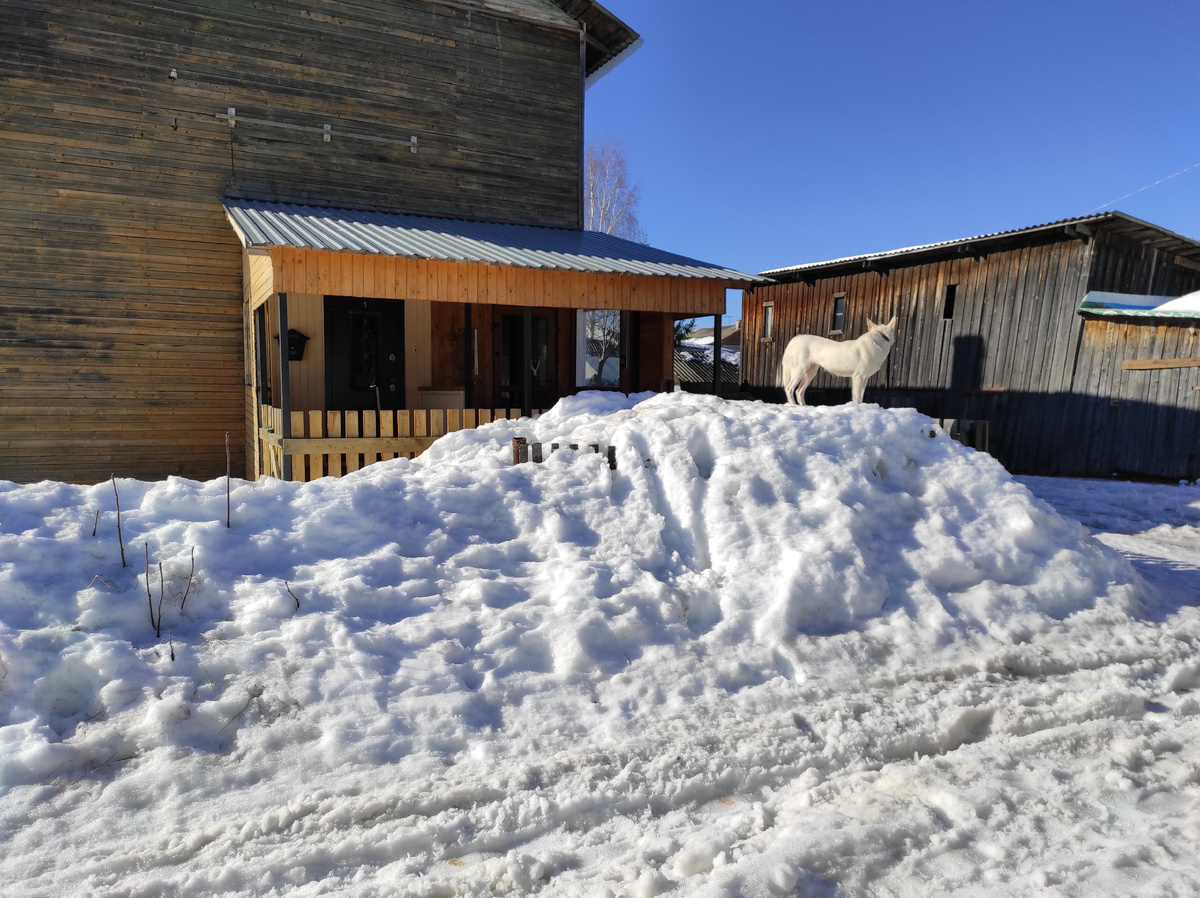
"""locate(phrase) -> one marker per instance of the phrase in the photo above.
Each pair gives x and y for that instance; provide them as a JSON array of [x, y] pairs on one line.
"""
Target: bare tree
[[610, 201], [602, 330]]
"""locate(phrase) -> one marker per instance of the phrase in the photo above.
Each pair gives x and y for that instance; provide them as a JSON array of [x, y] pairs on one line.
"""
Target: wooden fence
[[335, 443]]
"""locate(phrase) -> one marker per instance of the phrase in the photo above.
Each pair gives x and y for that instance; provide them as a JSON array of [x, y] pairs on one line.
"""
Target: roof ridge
[[997, 235]]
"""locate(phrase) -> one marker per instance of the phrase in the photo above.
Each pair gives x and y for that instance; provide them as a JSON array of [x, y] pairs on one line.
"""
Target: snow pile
[[725, 666]]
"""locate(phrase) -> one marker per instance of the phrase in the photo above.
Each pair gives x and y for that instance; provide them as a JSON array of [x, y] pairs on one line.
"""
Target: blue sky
[[768, 133]]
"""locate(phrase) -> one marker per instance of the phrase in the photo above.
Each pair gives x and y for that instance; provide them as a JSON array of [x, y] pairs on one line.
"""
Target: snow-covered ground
[[778, 651]]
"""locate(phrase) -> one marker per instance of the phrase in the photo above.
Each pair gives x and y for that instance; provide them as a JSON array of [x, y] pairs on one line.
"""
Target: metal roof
[[1122, 305], [1078, 227], [261, 224], [688, 370]]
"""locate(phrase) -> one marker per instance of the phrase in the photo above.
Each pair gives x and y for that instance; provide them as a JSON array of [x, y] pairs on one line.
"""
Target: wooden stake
[[191, 574], [120, 537], [149, 598], [162, 586], [227, 470], [292, 594]]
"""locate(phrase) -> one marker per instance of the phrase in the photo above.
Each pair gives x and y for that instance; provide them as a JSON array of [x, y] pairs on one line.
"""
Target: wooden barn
[[394, 186], [1018, 331]]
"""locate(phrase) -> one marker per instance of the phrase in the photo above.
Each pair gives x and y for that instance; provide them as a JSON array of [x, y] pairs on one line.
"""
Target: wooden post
[[717, 355], [285, 383], [262, 386], [468, 355], [527, 354], [582, 92]]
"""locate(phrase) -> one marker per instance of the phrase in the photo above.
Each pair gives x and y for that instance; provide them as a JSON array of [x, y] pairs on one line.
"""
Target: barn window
[[768, 322], [948, 305], [839, 314]]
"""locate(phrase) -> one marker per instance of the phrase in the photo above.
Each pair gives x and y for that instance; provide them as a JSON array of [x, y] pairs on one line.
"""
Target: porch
[[396, 330]]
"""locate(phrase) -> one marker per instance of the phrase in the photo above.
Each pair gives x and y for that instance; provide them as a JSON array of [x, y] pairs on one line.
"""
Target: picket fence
[[330, 444]]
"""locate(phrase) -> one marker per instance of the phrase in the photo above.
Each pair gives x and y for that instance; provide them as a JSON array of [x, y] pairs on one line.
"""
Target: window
[[768, 322], [948, 305], [598, 349], [839, 314], [364, 351]]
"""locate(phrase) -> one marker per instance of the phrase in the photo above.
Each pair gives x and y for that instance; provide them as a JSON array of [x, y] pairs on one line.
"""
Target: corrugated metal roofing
[[1135, 226], [1121, 305], [688, 370], [261, 224]]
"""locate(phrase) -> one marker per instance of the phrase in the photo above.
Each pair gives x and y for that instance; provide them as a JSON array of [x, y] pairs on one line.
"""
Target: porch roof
[[261, 224]]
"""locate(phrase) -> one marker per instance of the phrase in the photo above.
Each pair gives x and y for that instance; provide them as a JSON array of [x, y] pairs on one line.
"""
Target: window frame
[[581, 355], [949, 300], [837, 323]]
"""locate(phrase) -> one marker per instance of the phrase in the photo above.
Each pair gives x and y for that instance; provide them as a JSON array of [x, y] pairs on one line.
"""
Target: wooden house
[[1004, 329], [392, 186]]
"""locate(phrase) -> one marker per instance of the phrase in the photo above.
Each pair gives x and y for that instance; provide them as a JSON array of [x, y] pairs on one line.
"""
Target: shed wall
[[1016, 353]]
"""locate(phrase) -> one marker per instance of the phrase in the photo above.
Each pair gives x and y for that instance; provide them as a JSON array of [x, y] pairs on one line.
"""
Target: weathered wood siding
[[1015, 352], [1007, 317], [394, 277], [121, 329], [1127, 266]]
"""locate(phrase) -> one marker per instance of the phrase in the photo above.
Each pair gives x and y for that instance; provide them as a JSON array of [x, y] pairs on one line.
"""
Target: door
[[510, 379], [364, 353]]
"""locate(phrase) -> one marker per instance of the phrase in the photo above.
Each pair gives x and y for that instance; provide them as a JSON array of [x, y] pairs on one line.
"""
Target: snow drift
[[351, 648]]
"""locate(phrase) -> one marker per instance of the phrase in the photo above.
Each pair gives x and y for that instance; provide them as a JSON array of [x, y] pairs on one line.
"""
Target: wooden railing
[[335, 443]]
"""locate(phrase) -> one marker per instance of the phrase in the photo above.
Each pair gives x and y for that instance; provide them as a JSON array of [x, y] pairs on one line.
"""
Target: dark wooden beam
[[285, 379], [527, 359], [468, 358], [717, 355]]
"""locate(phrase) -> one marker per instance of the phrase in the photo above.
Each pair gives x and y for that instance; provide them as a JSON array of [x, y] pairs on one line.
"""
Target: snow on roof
[[1129, 305], [1189, 302], [778, 650]]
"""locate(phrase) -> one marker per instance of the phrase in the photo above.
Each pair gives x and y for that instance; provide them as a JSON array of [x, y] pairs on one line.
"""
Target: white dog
[[856, 359]]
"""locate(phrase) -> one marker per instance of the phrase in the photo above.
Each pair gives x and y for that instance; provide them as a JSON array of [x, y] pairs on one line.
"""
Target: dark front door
[[364, 353], [510, 374]]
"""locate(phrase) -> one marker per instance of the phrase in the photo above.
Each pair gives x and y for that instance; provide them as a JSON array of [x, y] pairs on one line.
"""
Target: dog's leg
[[789, 390], [805, 379], [858, 386]]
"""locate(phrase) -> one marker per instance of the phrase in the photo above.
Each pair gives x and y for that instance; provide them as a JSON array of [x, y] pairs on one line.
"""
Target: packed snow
[[777, 651]]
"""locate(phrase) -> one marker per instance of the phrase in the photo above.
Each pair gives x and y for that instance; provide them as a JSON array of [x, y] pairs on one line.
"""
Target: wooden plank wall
[[306, 313], [1126, 266], [121, 320], [994, 295], [392, 277], [1015, 353]]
